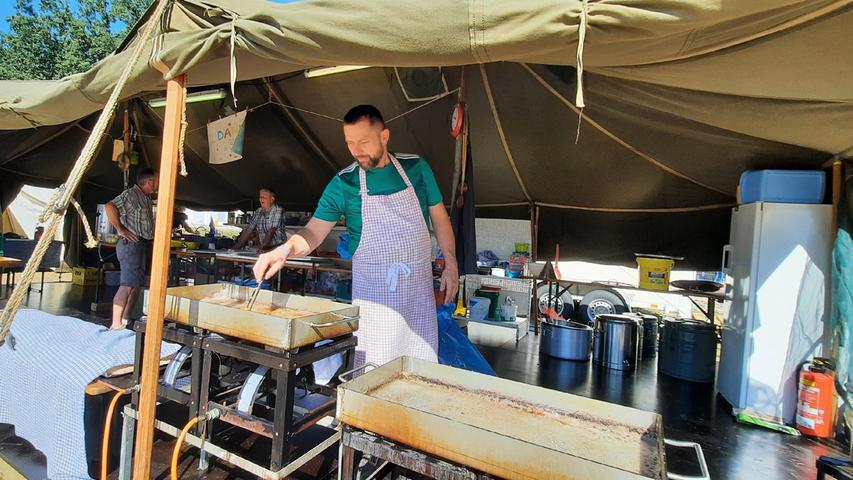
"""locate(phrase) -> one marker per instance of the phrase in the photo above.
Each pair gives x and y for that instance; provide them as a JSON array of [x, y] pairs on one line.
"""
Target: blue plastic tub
[[782, 186]]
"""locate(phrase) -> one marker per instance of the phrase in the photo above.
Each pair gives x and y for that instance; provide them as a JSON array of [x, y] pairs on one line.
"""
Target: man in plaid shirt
[[267, 226], [132, 215]]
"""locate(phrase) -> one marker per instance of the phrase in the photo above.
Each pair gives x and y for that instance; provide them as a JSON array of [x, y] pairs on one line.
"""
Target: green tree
[[48, 39]]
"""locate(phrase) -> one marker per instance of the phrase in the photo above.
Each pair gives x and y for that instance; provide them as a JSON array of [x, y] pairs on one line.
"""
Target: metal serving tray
[[504, 428], [278, 320]]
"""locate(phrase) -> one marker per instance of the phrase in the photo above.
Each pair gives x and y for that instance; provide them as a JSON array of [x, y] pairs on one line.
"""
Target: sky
[[7, 8]]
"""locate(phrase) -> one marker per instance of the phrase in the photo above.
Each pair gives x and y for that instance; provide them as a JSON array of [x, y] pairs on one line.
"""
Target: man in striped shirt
[[132, 215], [267, 225]]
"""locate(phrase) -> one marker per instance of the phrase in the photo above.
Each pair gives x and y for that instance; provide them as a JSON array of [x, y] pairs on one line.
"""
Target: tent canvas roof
[[681, 97]]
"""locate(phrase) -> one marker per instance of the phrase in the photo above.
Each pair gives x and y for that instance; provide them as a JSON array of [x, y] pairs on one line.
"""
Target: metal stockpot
[[617, 341], [649, 342], [688, 350], [566, 340]]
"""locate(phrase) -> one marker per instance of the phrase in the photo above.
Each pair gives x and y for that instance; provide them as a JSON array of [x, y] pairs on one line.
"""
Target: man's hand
[[270, 263], [127, 235], [450, 280]]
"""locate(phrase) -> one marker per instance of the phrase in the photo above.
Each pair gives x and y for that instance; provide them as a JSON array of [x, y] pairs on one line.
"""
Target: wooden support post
[[175, 98], [837, 173]]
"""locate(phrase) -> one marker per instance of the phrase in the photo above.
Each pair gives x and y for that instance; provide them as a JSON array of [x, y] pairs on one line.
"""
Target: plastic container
[[654, 272], [782, 186], [492, 295], [478, 308], [716, 277], [509, 310]]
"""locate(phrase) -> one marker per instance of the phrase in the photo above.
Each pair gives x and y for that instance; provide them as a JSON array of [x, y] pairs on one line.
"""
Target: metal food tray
[[317, 319], [504, 428]]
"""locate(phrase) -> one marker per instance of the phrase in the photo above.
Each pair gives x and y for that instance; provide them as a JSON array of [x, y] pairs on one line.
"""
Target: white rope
[[437, 98], [62, 197], [90, 239], [183, 136], [579, 100], [233, 58]]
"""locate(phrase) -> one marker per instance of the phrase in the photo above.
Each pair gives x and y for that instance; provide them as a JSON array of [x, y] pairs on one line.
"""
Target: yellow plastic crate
[[85, 276]]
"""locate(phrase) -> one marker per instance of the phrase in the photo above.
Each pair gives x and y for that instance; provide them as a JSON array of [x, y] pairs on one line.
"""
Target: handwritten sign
[[225, 138]]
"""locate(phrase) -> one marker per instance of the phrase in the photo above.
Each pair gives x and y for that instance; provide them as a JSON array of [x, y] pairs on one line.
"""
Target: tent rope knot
[[90, 239], [233, 58], [579, 100], [584, 22], [182, 137]]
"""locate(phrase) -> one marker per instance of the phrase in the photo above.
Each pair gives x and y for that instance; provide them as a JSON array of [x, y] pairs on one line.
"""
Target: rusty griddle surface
[[520, 419], [635, 449]]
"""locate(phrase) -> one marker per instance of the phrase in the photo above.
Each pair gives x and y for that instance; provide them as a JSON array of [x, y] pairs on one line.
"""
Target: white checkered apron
[[392, 278]]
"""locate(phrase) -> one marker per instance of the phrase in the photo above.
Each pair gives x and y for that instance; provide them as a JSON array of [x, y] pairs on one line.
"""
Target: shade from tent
[[680, 97]]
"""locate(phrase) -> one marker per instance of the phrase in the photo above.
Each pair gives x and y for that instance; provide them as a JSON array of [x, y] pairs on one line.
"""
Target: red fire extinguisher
[[816, 398]]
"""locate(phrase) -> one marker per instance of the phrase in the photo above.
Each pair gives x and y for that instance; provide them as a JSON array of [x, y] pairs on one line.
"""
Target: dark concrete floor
[[690, 411]]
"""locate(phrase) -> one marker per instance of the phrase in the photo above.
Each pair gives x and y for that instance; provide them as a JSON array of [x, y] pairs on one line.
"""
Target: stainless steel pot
[[617, 341], [566, 340]]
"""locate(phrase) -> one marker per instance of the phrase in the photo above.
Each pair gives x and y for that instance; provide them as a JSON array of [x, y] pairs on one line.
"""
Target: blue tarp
[[454, 348], [842, 303]]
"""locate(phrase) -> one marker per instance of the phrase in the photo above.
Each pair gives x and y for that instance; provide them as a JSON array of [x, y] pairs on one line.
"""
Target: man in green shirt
[[389, 200]]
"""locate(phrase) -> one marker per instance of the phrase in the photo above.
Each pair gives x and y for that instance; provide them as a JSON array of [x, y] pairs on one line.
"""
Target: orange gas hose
[[177, 452], [105, 444]]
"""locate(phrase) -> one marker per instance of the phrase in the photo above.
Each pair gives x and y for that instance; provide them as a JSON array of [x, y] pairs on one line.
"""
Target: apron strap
[[400, 170], [362, 176]]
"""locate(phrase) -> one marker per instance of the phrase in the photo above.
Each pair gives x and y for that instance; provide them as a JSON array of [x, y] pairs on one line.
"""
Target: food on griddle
[[222, 298]]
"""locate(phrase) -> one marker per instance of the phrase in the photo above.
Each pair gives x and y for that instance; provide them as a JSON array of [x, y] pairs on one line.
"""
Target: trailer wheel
[[600, 302], [564, 305]]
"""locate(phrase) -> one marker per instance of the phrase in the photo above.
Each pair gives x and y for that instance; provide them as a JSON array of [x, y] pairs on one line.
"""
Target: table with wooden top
[[303, 264]]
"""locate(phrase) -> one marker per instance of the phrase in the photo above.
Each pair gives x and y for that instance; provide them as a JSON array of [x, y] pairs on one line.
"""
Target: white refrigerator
[[779, 257]]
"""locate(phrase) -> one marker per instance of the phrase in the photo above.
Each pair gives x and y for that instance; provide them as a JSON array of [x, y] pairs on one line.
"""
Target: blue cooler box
[[782, 186]]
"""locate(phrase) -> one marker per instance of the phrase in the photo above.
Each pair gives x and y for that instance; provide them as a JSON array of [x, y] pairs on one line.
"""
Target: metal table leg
[[128, 426], [348, 460], [285, 385], [204, 428], [712, 304]]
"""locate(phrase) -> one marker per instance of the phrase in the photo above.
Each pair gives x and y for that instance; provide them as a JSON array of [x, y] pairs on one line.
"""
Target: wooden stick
[[175, 98]]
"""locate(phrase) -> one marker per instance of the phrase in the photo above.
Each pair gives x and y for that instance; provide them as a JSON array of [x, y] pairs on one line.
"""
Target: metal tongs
[[254, 295]]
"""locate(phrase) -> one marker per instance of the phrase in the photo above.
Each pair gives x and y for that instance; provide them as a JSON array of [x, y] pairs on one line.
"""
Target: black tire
[[565, 305], [599, 302]]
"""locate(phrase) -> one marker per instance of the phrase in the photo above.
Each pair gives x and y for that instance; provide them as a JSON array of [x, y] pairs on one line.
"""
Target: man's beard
[[371, 163]]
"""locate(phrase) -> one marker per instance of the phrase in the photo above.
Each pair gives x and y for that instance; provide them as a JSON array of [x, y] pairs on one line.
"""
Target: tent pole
[[175, 98], [836, 195], [141, 139], [457, 158], [534, 230]]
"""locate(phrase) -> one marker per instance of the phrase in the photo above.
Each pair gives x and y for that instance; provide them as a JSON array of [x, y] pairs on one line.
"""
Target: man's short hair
[[360, 112], [144, 175], [268, 190]]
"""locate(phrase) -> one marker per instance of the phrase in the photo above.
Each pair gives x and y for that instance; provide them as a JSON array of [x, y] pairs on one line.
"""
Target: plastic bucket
[[654, 272]]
